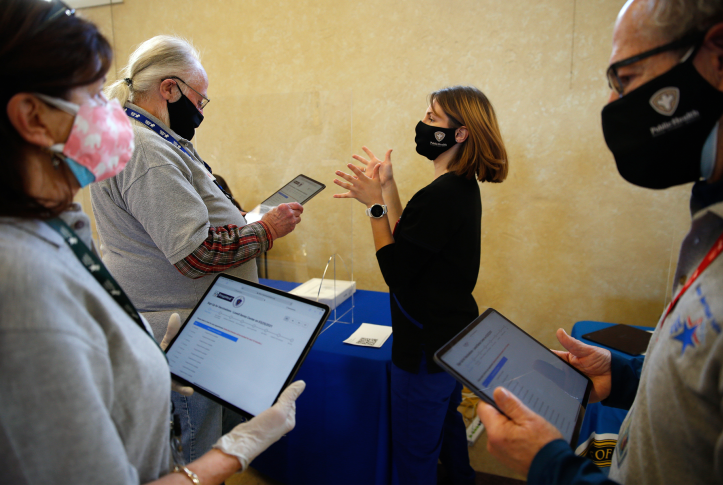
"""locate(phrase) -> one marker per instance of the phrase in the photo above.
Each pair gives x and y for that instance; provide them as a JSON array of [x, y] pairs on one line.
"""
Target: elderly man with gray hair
[[662, 124], [165, 224]]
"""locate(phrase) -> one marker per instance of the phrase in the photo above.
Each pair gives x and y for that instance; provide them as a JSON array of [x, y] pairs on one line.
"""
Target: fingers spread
[[357, 171], [344, 185], [369, 152], [346, 176], [360, 159], [388, 156]]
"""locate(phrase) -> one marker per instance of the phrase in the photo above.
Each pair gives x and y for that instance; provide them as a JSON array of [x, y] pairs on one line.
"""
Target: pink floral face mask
[[100, 143]]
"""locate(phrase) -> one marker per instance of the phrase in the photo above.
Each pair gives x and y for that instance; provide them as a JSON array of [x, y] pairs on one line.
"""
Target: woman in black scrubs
[[429, 255]]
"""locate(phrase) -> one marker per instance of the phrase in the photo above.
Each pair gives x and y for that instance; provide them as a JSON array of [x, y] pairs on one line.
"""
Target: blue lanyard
[[167, 136], [153, 126]]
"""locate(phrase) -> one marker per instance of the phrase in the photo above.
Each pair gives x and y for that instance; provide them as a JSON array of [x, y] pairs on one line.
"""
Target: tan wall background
[[300, 85]]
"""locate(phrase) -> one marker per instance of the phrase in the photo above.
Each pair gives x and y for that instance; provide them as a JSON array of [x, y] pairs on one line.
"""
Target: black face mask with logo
[[657, 132], [184, 117], [432, 141]]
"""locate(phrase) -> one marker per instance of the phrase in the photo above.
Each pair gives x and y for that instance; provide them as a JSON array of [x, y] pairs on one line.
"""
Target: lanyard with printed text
[[96, 268], [167, 136], [714, 252]]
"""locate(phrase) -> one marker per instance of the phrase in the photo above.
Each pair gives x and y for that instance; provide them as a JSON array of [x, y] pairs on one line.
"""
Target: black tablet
[[492, 351], [301, 189], [627, 339], [244, 342]]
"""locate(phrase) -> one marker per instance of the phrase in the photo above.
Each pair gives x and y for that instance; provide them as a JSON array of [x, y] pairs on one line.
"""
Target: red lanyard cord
[[714, 252]]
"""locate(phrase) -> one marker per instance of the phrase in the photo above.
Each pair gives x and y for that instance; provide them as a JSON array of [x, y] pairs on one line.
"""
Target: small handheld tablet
[[627, 339], [244, 342], [301, 189], [492, 351]]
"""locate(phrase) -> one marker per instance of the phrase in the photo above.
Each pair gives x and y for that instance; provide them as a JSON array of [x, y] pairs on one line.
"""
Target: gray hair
[[158, 58], [672, 19]]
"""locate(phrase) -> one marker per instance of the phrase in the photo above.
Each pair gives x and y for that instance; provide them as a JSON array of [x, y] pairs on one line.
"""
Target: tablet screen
[[244, 342], [301, 189], [492, 352]]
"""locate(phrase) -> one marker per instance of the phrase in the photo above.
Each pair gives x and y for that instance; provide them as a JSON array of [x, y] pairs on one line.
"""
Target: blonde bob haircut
[[482, 154]]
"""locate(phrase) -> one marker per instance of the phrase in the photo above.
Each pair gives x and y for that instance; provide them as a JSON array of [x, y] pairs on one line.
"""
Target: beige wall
[[298, 86]]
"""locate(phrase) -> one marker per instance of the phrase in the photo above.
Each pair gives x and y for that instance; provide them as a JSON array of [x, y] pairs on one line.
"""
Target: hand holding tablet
[[283, 218], [515, 440], [301, 190], [516, 433], [243, 343], [493, 352]]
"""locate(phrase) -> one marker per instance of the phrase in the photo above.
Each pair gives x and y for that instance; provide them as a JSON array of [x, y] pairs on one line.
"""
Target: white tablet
[[492, 351], [301, 189], [244, 342]]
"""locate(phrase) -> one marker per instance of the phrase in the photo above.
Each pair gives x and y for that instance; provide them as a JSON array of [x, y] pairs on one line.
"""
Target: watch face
[[377, 210]]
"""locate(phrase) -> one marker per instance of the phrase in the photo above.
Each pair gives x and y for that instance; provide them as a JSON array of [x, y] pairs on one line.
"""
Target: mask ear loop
[[691, 53], [62, 105], [694, 48]]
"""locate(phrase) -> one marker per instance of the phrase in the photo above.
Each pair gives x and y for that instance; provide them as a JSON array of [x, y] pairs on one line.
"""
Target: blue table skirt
[[342, 432], [599, 431]]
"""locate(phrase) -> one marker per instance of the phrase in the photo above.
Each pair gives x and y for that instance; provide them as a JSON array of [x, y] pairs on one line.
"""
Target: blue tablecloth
[[599, 431], [342, 433]]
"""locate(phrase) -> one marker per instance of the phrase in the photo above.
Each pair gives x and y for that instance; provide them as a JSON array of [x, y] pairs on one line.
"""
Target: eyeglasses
[[691, 40], [204, 100], [58, 9]]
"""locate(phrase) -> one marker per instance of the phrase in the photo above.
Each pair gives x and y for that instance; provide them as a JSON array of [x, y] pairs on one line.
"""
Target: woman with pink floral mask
[[86, 388]]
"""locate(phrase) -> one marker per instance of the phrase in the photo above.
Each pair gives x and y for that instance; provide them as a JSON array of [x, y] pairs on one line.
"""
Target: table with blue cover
[[599, 431], [342, 433]]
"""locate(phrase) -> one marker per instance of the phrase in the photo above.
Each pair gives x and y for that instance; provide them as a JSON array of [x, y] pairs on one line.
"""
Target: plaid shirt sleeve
[[226, 247]]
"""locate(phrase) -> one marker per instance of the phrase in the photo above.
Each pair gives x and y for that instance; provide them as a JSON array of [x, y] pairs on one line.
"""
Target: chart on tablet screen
[[496, 353]]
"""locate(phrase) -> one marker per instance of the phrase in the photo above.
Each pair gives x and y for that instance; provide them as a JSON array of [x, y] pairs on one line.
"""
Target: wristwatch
[[377, 211]]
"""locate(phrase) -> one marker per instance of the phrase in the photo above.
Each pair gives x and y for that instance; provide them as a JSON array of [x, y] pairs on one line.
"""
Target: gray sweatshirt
[[674, 431], [85, 392], [153, 214]]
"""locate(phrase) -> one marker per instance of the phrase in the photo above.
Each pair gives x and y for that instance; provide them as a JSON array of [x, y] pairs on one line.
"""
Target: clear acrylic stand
[[336, 314]]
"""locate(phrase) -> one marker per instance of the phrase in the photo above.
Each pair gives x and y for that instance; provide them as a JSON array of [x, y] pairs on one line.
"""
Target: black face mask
[[184, 117], [432, 141], [657, 132]]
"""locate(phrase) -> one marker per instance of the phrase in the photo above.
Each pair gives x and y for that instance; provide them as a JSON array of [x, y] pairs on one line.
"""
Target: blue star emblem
[[687, 336]]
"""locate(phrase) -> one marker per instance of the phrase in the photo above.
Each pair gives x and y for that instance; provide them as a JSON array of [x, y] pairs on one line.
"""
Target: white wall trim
[[90, 3]]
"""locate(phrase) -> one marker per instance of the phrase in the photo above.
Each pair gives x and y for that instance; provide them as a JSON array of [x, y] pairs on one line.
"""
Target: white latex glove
[[247, 440], [174, 323]]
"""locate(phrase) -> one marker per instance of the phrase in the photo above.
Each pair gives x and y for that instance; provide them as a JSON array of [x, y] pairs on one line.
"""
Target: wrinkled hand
[[592, 361], [174, 323], [247, 440], [283, 218], [362, 187], [514, 441], [385, 168]]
